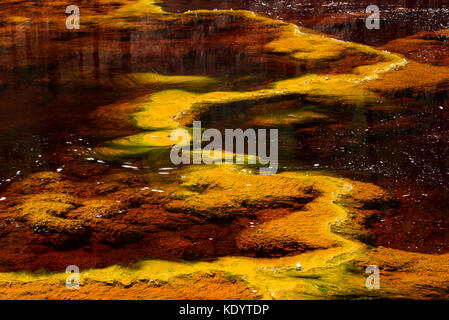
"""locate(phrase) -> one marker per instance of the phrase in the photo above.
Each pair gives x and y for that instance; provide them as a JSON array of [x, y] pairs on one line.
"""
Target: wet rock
[[225, 190], [116, 234], [46, 214], [91, 209]]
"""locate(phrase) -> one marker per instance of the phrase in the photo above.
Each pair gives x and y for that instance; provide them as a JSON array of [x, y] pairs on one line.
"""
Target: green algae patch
[[176, 108], [140, 8], [163, 110], [225, 191], [156, 79], [305, 45], [414, 79], [171, 109], [128, 14], [214, 192], [47, 213], [159, 143], [137, 144]]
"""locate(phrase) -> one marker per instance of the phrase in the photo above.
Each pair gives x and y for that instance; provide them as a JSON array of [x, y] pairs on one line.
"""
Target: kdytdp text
[[226, 309]]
